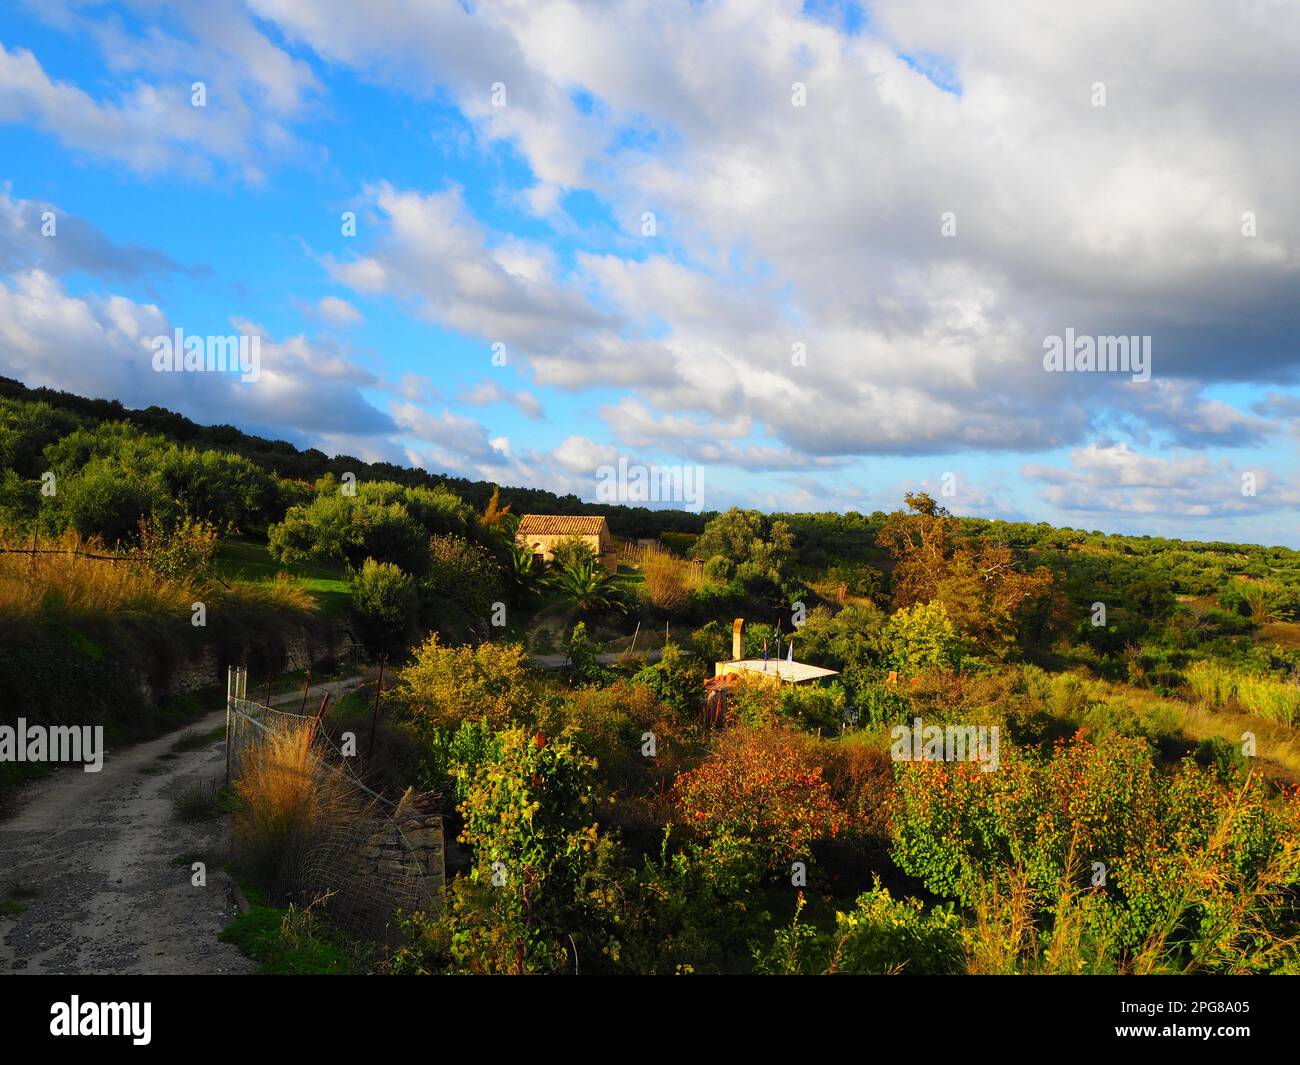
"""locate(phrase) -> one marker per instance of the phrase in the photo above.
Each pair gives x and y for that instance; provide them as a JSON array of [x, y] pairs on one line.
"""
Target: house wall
[[544, 545]]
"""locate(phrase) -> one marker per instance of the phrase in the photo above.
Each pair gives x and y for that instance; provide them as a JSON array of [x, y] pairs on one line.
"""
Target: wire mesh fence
[[360, 856]]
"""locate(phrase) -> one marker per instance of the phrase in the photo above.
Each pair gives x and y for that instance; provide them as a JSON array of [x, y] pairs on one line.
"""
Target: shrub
[[528, 822], [1189, 866], [719, 569], [676, 680], [384, 602], [812, 707], [922, 637], [761, 797], [181, 550], [1223, 757], [462, 573], [580, 655], [711, 643], [610, 723], [572, 552], [880, 936], [451, 757], [444, 685]]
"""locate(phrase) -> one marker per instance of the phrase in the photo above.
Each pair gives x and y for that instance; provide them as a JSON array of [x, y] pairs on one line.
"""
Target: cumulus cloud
[[101, 346], [821, 225], [436, 255], [1115, 479], [486, 393], [34, 233], [338, 311], [151, 125]]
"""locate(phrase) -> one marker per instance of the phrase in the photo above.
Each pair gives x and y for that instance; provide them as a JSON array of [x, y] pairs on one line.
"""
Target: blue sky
[[799, 162]]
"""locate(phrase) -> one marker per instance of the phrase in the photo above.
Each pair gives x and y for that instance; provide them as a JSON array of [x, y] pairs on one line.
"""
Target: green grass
[[245, 560], [198, 802], [285, 942], [15, 774], [17, 896]]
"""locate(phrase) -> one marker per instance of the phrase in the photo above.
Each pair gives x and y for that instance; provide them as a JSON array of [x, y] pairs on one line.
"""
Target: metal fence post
[[230, 682]]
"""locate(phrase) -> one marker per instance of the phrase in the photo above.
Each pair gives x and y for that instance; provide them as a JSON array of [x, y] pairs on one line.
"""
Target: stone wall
[[205, 670], [407, 859]]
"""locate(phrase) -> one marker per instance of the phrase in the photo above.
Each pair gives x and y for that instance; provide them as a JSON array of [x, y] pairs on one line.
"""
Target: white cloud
[[100, 345], [1114, 479], [338, 311], [486, 393]]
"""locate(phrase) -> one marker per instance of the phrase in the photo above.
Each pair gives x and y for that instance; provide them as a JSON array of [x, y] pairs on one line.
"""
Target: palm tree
[[587, 585], [521, 569]]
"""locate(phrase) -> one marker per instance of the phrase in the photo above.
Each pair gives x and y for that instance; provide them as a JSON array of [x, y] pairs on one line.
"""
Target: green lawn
[[246, 560]]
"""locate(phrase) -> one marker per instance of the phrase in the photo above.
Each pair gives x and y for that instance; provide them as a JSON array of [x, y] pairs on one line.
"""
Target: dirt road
[[103, 866], [557, 661]]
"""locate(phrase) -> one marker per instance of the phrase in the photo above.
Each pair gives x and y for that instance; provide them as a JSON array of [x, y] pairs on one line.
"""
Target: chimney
[[737, 644]]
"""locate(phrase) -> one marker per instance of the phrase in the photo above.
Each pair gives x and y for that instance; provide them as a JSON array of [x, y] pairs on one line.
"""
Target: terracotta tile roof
[[562, 525]]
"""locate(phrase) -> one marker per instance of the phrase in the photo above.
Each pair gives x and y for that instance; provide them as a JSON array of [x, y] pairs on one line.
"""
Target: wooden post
[[319, 714], [374, 717], [632, 650], [305, 685], [268, 689]]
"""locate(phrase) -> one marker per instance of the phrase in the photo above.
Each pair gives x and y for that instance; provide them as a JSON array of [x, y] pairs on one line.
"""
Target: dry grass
[[1277, 743], [67, 583], [1003, 937], [289, 798], [1267, 697], [1286, 634], [666, 580], [282, 593], [70, 585]]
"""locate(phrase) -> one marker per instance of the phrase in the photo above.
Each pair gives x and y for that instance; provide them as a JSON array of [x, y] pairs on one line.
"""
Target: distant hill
[[286, 460]]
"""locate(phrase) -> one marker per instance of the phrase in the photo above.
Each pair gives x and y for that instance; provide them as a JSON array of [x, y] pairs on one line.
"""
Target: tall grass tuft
[[667, 579], [282, 594], [1268, 697], [289, 798]]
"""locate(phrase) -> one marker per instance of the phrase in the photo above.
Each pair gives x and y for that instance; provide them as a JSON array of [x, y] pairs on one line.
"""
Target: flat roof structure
[[777, 669]]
